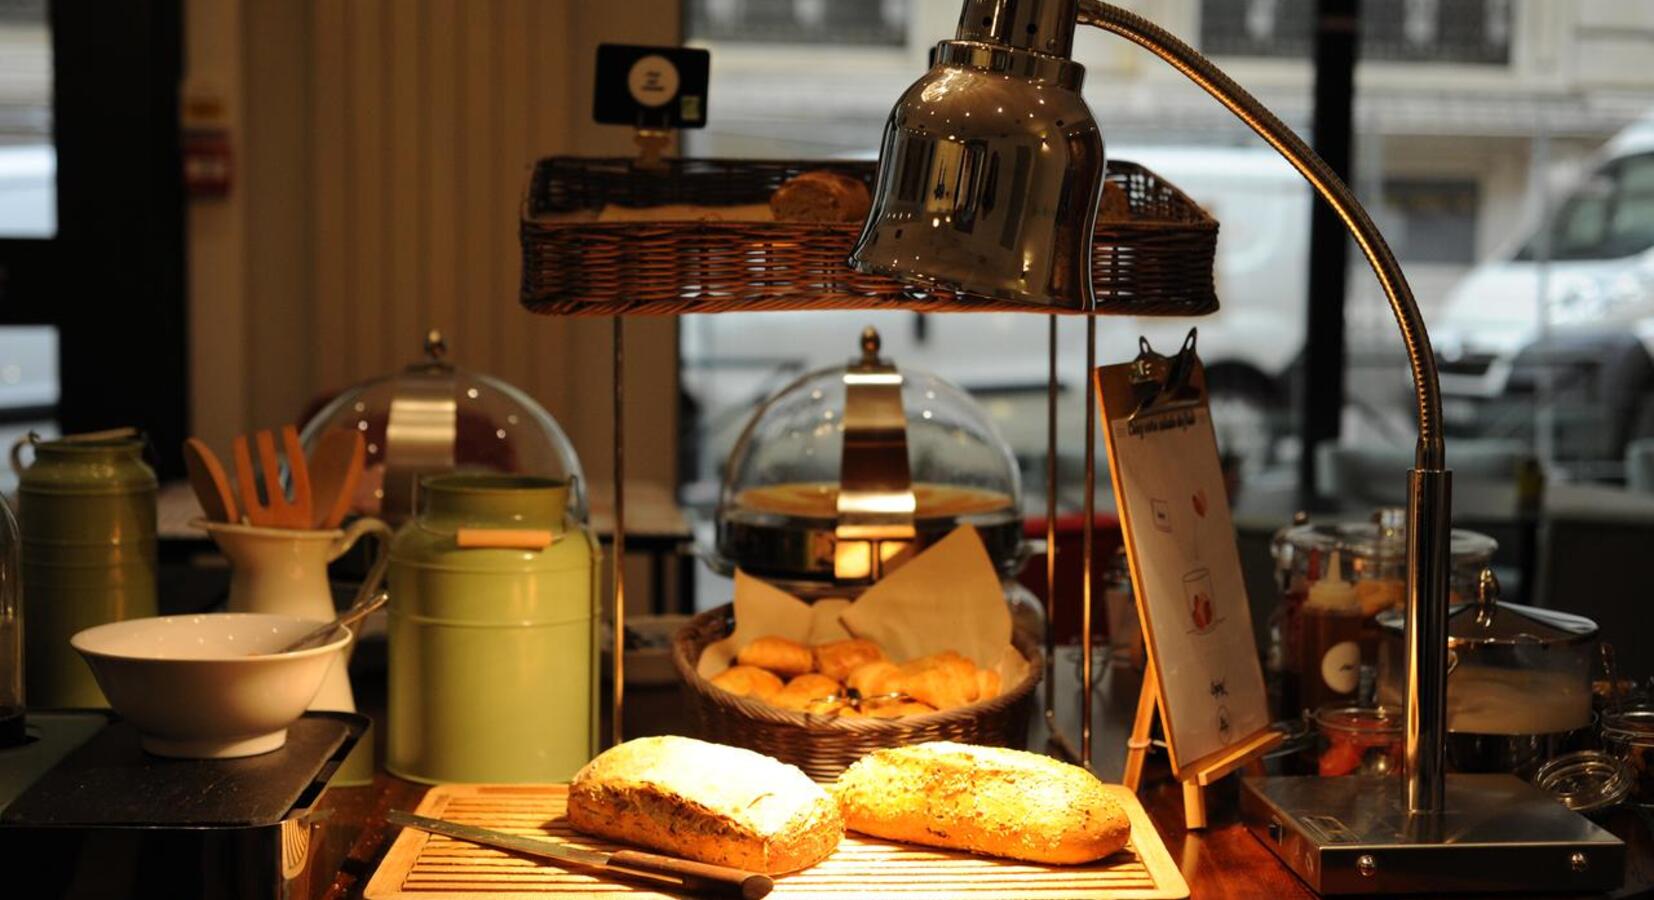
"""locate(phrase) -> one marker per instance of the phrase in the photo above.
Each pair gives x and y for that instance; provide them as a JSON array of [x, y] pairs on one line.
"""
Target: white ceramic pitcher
[[284, 570]]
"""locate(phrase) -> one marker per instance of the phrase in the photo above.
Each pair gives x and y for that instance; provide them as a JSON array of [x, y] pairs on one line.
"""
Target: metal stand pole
[[618, 545], [1427, 542], [1057, 739], [1086, 529]]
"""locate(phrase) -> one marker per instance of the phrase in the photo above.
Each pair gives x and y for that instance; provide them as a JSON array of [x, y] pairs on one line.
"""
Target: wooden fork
[[277, 511]]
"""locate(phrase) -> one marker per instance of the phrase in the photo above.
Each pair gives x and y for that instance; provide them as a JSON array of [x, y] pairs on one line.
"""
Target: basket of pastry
[[927, 654]]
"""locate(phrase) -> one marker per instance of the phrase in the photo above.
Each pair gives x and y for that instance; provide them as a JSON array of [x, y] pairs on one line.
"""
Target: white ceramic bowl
[[191, 688]]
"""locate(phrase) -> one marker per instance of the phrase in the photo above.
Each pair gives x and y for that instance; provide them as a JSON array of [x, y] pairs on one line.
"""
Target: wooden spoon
[[335, 470], [212, 486]]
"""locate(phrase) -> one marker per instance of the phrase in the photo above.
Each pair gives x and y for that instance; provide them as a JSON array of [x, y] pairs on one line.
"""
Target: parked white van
[[1572, 303]]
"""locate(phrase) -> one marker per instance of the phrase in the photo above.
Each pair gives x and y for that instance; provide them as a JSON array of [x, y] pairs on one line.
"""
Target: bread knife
[[694, 876]]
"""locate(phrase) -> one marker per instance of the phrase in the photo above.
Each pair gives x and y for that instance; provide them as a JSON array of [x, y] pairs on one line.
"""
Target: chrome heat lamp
[[988, 184]]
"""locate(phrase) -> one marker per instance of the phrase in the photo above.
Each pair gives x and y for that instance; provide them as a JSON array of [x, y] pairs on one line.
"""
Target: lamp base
[[1353, 835]]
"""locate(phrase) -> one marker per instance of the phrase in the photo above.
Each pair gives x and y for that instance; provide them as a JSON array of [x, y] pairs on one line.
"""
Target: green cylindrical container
[[86, 511], [493, 649]]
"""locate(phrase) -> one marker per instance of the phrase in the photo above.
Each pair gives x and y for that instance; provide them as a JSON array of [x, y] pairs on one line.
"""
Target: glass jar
[[822, 515], [1586, 781], [1125, 631], [1628, 735], [1355, 740], [1356, 571], [1518, 682], [434, 417]]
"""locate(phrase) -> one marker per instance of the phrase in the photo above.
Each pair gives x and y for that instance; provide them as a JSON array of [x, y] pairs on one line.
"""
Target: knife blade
[[692, 875]]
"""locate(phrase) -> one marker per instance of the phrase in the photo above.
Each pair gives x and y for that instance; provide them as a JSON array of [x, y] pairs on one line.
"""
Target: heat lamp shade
[[988, 180]]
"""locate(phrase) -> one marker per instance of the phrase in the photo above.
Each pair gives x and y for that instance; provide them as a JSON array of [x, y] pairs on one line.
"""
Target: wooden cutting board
[[420, 866]]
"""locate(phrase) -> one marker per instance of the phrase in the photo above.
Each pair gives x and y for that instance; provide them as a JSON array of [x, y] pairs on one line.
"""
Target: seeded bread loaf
[[821, 196], [708, 802], [985, 800]]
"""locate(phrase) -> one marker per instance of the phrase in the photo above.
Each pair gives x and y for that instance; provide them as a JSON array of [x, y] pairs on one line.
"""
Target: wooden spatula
[[335, 470], [212, 486]]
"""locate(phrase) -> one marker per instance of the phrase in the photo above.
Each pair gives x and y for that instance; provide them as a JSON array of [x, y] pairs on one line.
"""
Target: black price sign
[[651, 87]]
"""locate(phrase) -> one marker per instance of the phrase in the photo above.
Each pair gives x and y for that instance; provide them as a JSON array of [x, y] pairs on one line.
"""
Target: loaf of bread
[[708, 802], [821, 196], [1115, 205], [986, 800]]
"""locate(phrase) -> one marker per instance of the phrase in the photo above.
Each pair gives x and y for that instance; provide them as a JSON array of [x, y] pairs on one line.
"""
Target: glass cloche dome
[[806, 505], [435, 417]]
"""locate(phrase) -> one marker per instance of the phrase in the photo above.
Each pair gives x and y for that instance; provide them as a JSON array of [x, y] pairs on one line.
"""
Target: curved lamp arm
[[1328, 185], [1429, 486]]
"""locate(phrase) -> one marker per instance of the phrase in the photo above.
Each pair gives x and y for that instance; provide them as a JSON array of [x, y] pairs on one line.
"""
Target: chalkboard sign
[[651, 87]]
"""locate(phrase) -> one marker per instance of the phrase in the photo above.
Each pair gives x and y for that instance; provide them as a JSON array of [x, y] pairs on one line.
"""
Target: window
[[1431, 221], [842, 22], [1476, 32], [28, 161]]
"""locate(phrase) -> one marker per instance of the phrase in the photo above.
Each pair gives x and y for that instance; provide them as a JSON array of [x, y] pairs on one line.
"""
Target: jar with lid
[[88, 555], [493, 630], [1518, 682], [1334, 579]]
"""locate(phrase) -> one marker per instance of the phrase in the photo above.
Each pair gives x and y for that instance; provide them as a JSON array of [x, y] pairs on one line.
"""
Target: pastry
[[987, 684], [707, 802], [943, 680], [748, 681], [839, 658], [811, 692], [985, 800], [895, 709], [874, 678], [779, 655]]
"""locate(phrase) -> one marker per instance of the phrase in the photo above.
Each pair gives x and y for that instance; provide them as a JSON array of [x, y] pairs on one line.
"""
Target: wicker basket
[[823, 746], [1158, 262]]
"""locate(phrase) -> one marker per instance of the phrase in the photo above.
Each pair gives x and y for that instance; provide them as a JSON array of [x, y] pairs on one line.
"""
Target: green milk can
[[86, 513], [493, 642]]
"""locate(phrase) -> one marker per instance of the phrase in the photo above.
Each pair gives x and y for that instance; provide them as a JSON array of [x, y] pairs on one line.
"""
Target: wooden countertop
[[1222, 861]]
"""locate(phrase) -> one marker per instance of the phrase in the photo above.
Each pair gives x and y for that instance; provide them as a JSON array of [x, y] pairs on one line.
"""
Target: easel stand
[[1201, 773]]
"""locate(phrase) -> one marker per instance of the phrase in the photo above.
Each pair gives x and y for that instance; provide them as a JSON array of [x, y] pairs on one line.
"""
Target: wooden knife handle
[[696, 876]]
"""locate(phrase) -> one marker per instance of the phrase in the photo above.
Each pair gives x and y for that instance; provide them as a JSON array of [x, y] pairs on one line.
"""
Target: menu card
[[1185, 566]]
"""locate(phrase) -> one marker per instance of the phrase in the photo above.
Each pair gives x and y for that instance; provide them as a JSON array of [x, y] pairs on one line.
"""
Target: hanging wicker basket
[[1157, 261]]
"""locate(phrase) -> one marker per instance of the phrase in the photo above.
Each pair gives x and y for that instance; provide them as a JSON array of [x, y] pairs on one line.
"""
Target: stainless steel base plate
[[1352, 835]]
